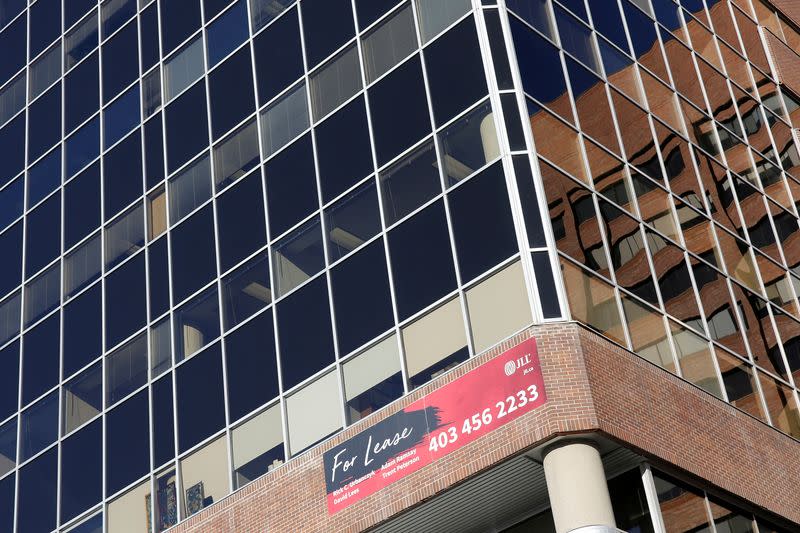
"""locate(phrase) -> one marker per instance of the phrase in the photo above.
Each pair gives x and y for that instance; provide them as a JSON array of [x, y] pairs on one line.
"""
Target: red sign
[[462, 411]]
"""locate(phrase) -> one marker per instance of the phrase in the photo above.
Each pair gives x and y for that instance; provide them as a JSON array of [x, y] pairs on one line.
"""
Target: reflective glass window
[[12, 149], [205, 475], [410, 182], [81, 471], [45, 71], [13, 43], [435, 15], [231, 93], [314, 412], [11, 202], [284, 120], [335, 82], [193, 256], [127, 444], [251, 363], [372, 379], [183, 68], [469, 143], [257, 446], [201, 405], [11, 250], [189, 188], [242, 224], [236, 155], [80, 40], [291, 184], [115, 13], [298, 256], [187, 126], [45, 17], [9, 381], [83, 330], [38, 426], [126, 369], [42, 294], [40, 358], [44, 122], [246, 291], [391, 42], [163, 423], [83, 398], [159, 278], [122, 175], [37, 494], [121, 116], [125, 236], [328, 24], [82, 205], [42, 234], [8, 448], [279, 57], [196, 324], [82, 147], [262, 12], [421, 240], [352, 221], [301, 354], [179, 19], [126, 295], [227, 32], [120, 61]]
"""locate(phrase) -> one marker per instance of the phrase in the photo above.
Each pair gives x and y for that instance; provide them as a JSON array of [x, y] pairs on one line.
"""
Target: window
[[352, 221], [81, 205], [298, 256], [264, 11], [372, 379], [83, 329], [388, 44], [189, 188], [436, 15], [125, 293], [40, 359], [279, 57], [251, 364], [227, 32], [284, 120], [179, 19], [163, 421], [498, 307], [161, 347], [125, 236], [596, 307], [345, 132], [314, 412], [156, 214], [38, 426], [11, 250], [257, 446], [127, 443], [83, 147], [410, 182], [193, 257], [291, 186], [454, 85], [45, 70], [183, 68], [335, 82], [9, 381], [328, 25], [126, 369], [231, 93], [421, 240], [186, 126], [120, 61], [43, 228], [399, 110], [12, 98], [201, 406], [121, 116], [80, 41], [37, 493], [83, 398], [236, 155], [435, 343], [8, 447], [44, 177], [246, 291], [11, 202], [42, 295], [303, 355], [695, 359], [469, 143], [196, 324], [159, 278], [205, 476], [81, 470], [241, 220], [129, 510], [122, 180], [361, 298]]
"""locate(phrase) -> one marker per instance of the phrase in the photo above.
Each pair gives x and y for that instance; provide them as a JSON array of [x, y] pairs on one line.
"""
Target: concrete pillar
[[576, 484]]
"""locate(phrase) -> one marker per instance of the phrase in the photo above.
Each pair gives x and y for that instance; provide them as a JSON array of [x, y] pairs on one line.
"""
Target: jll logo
[[511, 366]]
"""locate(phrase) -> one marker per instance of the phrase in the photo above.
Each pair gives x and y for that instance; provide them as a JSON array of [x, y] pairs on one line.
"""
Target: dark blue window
[[81, 92], [126, 300], [120, 61], [44, 122], [83, 146], [201, 406], [252, 366], [159, 278], [187, 126], [45, 24], [154, 151], [127, 443], [279, 56], [43, 242], [81, 470], [121, 116], [328, 25], [11, 252], [12, 148], [242, 227], [301, 354], [9, 380], [40, 351], [36, 508], [361, 297], [12, 43], [12, 202], [193, 257], [227, 32], [149, 26], [291, 186], [179, 19], [82, 205], [83, 330], [123, 175], [231, 89], [163, 428], [44, 177], [7, 503]]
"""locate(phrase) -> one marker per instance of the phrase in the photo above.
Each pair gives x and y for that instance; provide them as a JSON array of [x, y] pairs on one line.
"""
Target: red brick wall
[[790, 8], [787, 63], [591, 385]]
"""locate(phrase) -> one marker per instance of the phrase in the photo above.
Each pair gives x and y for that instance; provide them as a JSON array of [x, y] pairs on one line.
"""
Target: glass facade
[[231, 229]]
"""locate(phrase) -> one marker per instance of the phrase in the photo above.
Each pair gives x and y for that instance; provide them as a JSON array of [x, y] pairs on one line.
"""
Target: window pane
[[301, 354], [127, 442], [120, 61], [352, 220], [42, 295], [595, 306], [156, 214], [678, 501], [196, 324], [8, 447], [284, 120], [80, 41], [9, 380], [81, 471], [498, 307], [9, 317], [82, 147], [227, 32], [399, 108], [436, 15], [298, 256], [11, 202], [12, 98], [328, 24], [469, 143], [201, 406], [647, 332], [126, 369], [121, 116], [291, 186], [82, 205], [251, 363], [11, 251], [335, 82], [83, 329], [361, 298], [246, 291], [160, 347], [37, 494], [435, 343], [372, 380], [186, 126], [314, 412], [43, 228], [231, 92], [183, 68], [410, 182], [122, 180], [163, 421], [193, 256], [125, 236], [83, 398], [780, 404], [236, 155], [389, 43], [257, 446], [695, 359], [151, 92], [740, 384], [205, 476], [45, 71], [129, 512], [38, 426], [44, 177], [190, 188], [241, 220], [278, 54], [40, 359], [126, 294]]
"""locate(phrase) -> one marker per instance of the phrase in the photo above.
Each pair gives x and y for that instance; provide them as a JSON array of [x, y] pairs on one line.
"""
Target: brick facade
[[592, 385]]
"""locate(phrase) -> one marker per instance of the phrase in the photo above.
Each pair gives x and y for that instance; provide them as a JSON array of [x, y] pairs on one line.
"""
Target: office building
[[420, 265]]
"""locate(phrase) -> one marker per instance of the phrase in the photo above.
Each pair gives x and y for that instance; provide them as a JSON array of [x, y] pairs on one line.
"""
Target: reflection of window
[[592, 302], [435, 343], [257, 446], [372, 379]]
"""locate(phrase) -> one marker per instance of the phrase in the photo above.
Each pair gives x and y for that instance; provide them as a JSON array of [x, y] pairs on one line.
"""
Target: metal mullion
[[651, 495]]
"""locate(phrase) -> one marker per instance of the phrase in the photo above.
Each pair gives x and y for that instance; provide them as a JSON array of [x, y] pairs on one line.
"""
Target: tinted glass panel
[[163, 428], [193, 257], [11, 266], [36, 505], [328, 25], [279, 58], [127, 445], [120, 61], [227, 32], [12, 148], [122, 174], [40, 347], [81, 92], [291, 186], [44, 122], [252, 366], [44, 224], [82, 330], [126, 295], [9, 380], [200, 407], [179, 19], [242, 227], [187, 126], [81, 471], [45, 24], [231, 92]]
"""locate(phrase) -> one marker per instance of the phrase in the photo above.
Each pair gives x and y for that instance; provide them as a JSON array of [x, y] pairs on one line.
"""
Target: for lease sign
[[482, 400]]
